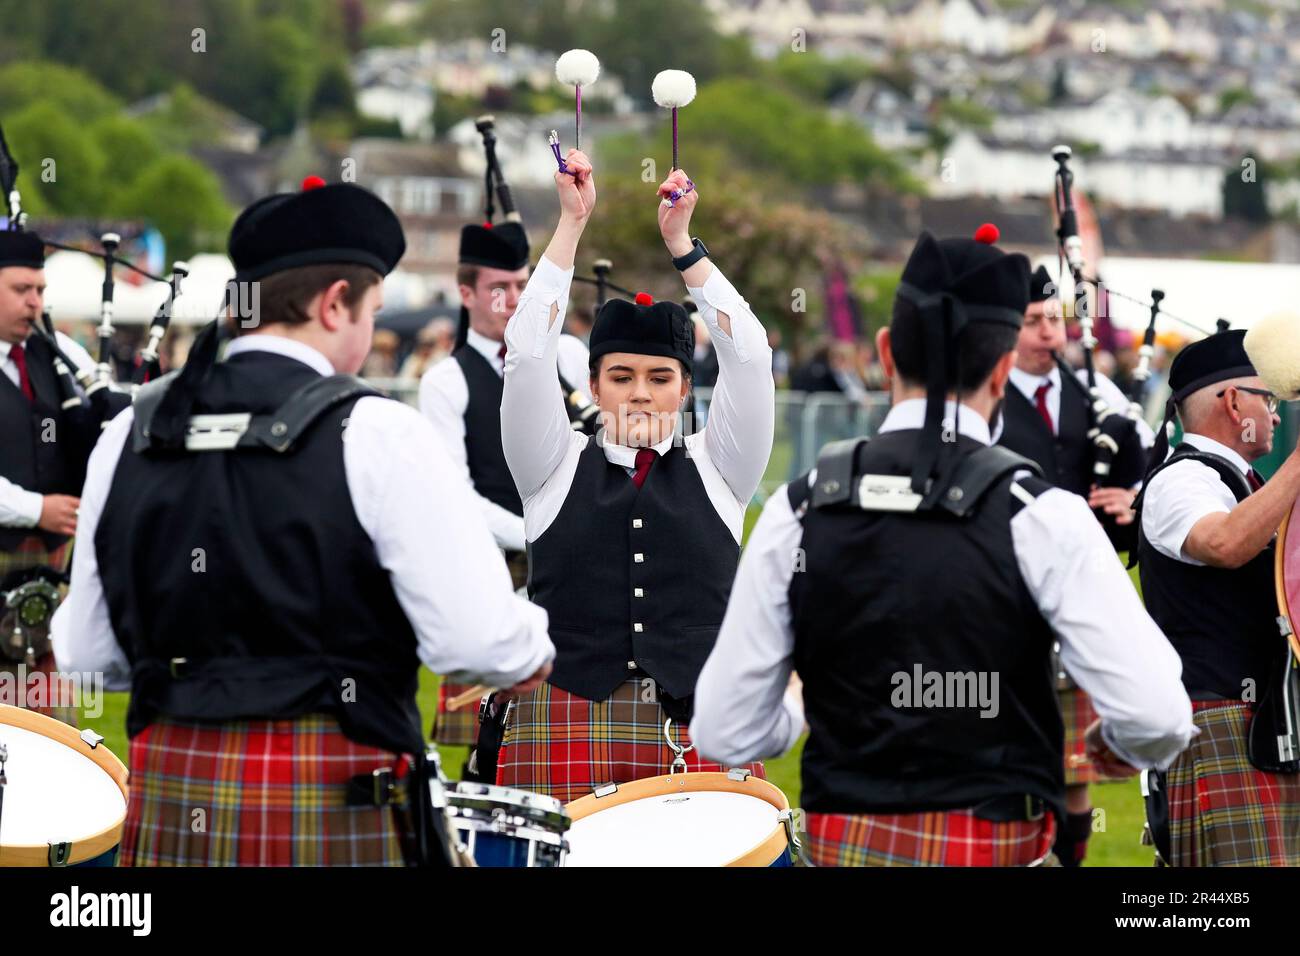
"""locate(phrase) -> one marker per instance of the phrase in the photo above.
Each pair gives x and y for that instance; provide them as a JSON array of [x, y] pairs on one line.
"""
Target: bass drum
[[64, 801]]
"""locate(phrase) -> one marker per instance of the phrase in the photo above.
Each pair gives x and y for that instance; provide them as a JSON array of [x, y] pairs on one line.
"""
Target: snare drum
[[501, 826], [685, 819], [65, 799]]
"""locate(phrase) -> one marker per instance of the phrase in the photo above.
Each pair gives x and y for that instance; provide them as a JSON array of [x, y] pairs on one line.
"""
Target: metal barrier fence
[[805, 421]]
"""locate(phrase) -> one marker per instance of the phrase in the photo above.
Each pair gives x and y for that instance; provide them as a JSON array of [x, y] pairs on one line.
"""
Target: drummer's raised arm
[[535, 430]]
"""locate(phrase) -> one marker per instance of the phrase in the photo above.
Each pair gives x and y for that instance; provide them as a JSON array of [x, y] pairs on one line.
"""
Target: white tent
[[1200, 291]]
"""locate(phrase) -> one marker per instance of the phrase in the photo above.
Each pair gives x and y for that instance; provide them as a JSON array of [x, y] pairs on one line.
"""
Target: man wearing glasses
[[1207, 523]]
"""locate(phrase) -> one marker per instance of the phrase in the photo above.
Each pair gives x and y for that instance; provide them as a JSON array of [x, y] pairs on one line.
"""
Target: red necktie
[[1254, 480], [1040, 400], [645, 457], [20, 359], [501, 352]]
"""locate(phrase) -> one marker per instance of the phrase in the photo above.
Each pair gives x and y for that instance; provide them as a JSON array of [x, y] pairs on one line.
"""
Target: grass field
[[1117, 826]]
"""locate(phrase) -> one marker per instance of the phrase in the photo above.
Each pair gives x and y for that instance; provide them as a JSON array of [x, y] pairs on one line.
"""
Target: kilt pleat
[[564, 746], [936, 838], [254, 793], [455, 727], [1224, 811]]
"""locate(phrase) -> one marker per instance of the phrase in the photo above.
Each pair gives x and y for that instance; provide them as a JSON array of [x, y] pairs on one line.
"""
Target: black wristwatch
[[695, 255]]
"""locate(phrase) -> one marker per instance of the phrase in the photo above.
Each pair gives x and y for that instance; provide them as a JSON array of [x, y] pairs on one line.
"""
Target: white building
[[1179, 182]]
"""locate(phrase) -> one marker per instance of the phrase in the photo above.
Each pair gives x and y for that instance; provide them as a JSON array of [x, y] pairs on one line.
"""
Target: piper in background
[[634, 533], [933, 572], [1206, 552], [1045, 418], [269, 551], [42, 462], [462, 398]]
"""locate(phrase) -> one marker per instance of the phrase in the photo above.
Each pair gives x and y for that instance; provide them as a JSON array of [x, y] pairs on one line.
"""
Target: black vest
[[485, 457], [29, 459], [881, 594], [1065, 457], [286, 611], [632, 576], [1222, 621]]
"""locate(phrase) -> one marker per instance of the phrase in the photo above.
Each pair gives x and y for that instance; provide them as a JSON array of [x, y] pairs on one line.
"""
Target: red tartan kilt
[[564, 746], [253, 793], [938, 838], [1223, 810]]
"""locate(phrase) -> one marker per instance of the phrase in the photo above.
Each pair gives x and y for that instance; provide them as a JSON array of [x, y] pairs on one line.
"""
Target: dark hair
[[593, 366], [283, 297], [467, 275], [981, 346]]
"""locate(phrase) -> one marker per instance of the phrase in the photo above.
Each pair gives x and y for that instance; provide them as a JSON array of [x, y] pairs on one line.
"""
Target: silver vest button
[[639, 558], [636, 522], [638, 627], [638, 592]]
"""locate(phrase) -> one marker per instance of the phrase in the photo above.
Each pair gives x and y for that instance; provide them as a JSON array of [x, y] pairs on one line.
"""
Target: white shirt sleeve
[[448, 577], [1177, 498], [535, 432], [444, 396], [742, 414], [19, 508], [1109, 644], [742, 710], [81, 630]]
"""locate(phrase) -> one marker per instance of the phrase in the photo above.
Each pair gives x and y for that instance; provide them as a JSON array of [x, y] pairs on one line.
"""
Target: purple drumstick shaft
[[674, 137]]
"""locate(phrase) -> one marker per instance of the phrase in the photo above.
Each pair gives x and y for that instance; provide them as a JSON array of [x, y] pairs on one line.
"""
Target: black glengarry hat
[[339, 223], [643, 327], [21, 249], [953, 284], [1041, 285], [1208, 361]]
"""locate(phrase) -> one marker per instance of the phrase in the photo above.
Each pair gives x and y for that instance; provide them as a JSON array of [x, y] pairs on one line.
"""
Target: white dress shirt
[[444, 396], [1183, 494], [1110, 393], [20, 507], [1109, 644], [731, 451], [448, 576]]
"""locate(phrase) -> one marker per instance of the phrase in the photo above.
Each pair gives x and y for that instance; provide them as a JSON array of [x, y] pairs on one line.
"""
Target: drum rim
[[763, 854], [1279, 579], [85, 848]]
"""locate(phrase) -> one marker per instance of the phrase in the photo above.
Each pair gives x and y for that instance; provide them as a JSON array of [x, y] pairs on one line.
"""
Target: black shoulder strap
[[147, 400], [798, 492], [835, 472], [281, 430], [977, 473], [278, 431], [1025, 489]]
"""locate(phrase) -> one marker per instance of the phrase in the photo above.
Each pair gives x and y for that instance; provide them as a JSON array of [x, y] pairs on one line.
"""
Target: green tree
[[182, 199], [59, 162], [126, 148], [72, 92]]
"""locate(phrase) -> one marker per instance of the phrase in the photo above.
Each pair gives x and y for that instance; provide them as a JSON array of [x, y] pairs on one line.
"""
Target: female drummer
[[634, 534]]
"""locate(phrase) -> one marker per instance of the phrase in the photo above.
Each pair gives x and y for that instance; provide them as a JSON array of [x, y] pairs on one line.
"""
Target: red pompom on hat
[[312, 182], [644, 298], [487, 225], [987, 233]]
